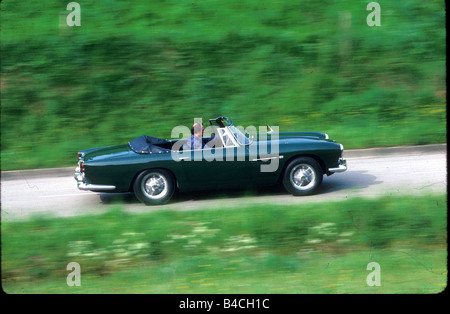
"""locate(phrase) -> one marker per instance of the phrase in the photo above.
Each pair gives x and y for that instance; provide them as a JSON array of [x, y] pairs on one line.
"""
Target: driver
[[196, 140]]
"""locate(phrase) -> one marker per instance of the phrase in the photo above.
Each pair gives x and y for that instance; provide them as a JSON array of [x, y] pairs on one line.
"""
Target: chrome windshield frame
[[250, 140]]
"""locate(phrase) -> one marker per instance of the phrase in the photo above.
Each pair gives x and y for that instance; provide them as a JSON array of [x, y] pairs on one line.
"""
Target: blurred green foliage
[[250, 244], [147, 66]]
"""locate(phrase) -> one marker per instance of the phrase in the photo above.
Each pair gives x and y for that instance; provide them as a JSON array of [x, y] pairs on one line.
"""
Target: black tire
[[154, 187], [302, 176]]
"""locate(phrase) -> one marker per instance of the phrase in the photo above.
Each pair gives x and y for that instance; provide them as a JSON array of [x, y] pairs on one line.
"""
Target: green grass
[[414, 270], [309, 248], [143, 69]]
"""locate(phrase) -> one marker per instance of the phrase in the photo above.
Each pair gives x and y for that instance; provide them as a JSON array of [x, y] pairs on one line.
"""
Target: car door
[[225, 165], [265, 163], [216, 168]]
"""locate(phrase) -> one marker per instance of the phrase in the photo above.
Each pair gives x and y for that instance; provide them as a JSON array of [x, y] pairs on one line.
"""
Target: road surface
[[370, 174]]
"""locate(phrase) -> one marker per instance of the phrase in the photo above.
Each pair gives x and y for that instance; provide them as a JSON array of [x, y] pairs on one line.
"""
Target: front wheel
[[154, 187], [302, 176]]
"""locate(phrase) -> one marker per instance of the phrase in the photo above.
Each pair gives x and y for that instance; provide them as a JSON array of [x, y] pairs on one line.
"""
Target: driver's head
[[197, 129]]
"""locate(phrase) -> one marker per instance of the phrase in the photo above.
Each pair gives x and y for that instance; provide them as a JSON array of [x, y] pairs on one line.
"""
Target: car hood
[[306, 135]]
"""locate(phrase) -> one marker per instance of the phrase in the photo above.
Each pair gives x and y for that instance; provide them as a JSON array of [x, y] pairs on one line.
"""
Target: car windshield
[[240, 136]]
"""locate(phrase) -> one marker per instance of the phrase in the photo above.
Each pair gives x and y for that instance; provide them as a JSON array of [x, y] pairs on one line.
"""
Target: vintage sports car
[[153, 168]]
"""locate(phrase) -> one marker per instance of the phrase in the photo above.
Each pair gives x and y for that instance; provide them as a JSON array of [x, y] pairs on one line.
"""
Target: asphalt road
[[371, 173]]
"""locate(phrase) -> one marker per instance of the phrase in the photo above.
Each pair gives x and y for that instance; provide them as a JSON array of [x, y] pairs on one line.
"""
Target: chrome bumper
[[82, 185], [341, 167]]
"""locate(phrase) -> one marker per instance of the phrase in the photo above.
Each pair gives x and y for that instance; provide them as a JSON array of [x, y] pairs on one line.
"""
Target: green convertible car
[[153, 168]]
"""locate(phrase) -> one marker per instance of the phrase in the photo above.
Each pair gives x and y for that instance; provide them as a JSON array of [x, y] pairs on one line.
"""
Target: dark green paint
[[119, 165]]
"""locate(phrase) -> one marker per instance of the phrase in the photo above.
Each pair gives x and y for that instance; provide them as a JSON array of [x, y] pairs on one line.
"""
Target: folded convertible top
[[146, 144]]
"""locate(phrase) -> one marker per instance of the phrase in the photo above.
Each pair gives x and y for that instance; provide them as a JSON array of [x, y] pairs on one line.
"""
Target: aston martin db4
[[154, 168]]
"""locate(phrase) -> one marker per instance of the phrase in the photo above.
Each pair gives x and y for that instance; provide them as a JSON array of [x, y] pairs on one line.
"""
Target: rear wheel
[[154, 187], [302, 176]]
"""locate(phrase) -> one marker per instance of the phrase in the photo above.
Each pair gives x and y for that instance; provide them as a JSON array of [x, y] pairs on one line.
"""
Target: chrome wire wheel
[[303, 176], [154, 185]]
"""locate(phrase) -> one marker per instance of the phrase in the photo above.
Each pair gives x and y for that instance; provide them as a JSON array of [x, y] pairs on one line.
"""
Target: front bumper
[[82, 185], [342, 166]]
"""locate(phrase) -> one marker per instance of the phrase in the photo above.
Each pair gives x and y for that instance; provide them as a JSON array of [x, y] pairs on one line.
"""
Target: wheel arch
[[130, 188], [315, 157]]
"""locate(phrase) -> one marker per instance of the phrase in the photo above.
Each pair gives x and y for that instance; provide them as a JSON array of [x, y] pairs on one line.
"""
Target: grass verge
[[310, 248]]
